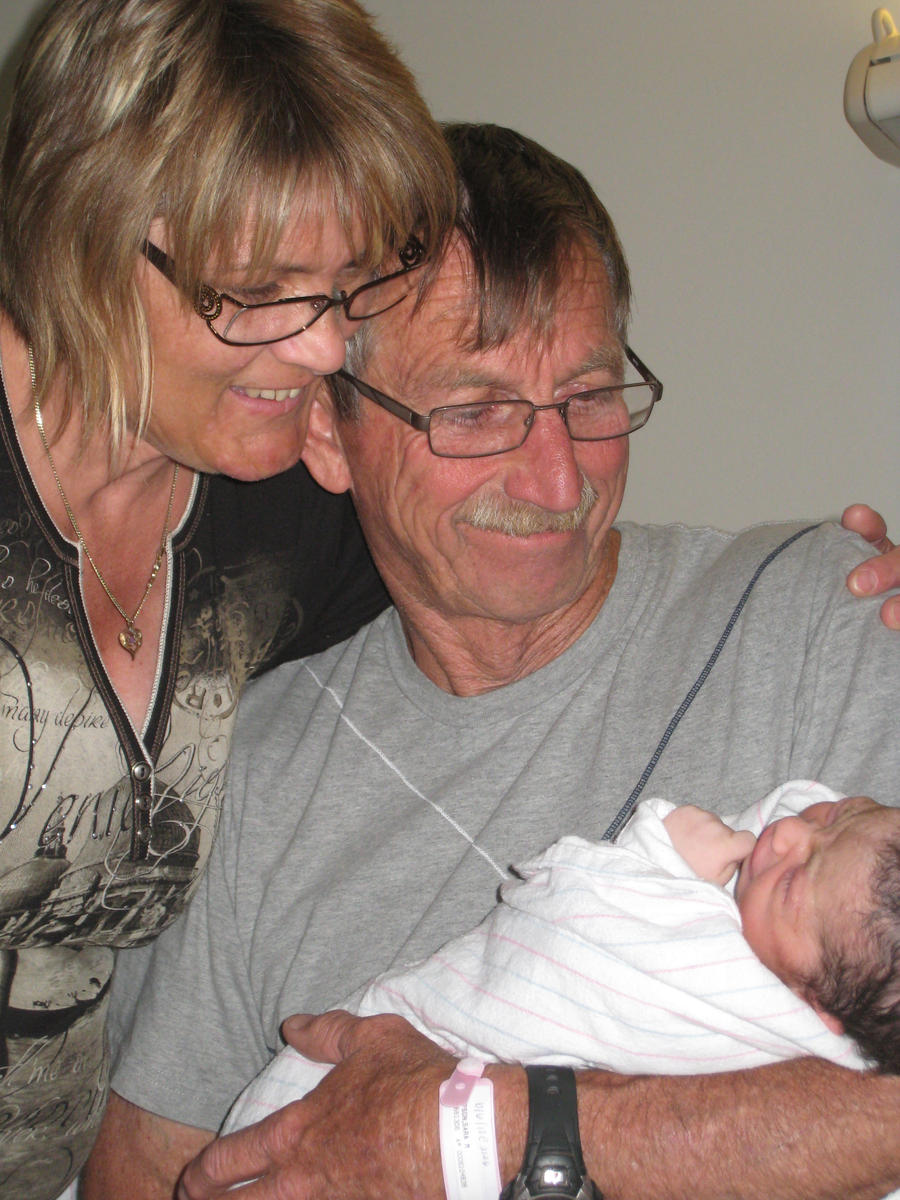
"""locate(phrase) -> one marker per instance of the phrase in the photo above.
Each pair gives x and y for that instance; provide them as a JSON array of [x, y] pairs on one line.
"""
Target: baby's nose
[[790, 833]]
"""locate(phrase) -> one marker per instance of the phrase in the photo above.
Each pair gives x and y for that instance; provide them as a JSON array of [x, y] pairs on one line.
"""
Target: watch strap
[[553, 1167]]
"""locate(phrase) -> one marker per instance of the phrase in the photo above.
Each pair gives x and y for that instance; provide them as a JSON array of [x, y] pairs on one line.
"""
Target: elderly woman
[[200, 201]]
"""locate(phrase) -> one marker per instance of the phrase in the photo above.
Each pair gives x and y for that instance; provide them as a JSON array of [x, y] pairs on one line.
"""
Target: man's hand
[[369, 1131], [875, 575], [709, 847]]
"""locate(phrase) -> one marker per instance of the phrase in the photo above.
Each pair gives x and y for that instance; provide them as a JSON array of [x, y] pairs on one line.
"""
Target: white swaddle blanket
[[602, 955]]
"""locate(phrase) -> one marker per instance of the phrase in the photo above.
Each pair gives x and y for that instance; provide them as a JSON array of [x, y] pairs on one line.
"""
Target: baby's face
[[808, 874]]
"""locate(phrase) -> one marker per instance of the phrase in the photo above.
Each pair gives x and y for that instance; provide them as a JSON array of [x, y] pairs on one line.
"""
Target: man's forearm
[[798, 1130], [138, 1155]]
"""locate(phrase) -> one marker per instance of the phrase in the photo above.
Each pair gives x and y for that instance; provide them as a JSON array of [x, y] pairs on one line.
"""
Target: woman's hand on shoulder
[[881, 573]]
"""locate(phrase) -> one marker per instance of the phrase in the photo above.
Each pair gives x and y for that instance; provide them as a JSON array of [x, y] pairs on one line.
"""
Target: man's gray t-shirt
[[371, 815]]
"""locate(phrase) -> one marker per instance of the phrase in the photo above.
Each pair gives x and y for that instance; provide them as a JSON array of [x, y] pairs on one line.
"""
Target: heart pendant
[[130, 639]]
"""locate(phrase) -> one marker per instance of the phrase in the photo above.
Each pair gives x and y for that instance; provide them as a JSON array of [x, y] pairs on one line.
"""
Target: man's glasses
[[239, 324], [495, 426]]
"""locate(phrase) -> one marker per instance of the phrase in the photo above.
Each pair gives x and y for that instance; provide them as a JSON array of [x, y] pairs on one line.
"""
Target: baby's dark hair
[[859, 981]]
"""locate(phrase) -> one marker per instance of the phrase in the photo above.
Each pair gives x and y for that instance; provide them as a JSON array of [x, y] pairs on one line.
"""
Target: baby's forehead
[[852, 808], [863, 805], [891, 817], [855, 828], [876, 825]]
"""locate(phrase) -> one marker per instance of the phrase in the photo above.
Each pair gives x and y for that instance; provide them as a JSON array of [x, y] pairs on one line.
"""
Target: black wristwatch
[[553, 1167]]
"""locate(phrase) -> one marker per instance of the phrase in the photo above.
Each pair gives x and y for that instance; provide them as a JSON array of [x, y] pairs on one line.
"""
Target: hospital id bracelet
[[468, 1138]]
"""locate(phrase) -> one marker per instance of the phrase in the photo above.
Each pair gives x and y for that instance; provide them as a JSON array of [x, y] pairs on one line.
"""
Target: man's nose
[[320, 348], [546, 472]]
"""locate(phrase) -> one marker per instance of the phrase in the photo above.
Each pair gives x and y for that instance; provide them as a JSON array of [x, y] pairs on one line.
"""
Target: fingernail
[[865, 582]]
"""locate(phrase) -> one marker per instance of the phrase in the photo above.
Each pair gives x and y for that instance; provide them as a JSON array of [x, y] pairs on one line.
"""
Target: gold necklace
[[131, 638]]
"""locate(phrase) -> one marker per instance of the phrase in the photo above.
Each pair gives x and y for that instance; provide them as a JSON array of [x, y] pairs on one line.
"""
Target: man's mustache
[[519, 518]]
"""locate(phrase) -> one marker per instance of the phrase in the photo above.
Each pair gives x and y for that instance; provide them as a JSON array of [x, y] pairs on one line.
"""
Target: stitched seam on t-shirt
[[407, 783]]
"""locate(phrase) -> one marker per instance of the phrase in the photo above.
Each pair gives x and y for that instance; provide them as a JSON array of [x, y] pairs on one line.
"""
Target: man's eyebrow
[[454, 375], [602, 358]]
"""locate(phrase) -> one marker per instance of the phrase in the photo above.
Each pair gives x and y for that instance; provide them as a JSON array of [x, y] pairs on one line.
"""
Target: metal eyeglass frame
[[208, 302], [422, 421]]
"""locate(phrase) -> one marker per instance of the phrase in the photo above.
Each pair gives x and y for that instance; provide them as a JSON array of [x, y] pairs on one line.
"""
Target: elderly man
[[540, 665]]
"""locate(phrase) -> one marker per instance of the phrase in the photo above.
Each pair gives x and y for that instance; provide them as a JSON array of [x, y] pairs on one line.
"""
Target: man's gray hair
[[523, 215]]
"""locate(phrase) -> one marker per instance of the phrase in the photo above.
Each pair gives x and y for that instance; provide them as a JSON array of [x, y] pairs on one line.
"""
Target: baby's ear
[[323, 453]]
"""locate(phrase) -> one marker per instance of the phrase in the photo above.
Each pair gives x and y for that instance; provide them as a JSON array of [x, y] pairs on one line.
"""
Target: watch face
[[585, 1192], [555, 1175], [548, 1189]]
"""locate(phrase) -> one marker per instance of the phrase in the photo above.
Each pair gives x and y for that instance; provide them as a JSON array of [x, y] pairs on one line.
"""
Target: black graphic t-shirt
[[105, 828]]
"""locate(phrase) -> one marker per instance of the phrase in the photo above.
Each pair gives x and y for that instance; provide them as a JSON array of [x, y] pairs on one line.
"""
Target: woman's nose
[[321, 347]]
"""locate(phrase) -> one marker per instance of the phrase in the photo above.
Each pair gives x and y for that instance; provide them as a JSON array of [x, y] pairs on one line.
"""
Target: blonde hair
[[204, 113]]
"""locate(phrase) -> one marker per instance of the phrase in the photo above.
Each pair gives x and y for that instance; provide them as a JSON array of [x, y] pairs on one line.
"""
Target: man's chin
[[520, 582]]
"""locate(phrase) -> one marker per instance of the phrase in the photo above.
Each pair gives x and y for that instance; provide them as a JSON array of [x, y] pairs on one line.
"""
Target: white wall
[[764, 238], [16, 18]]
